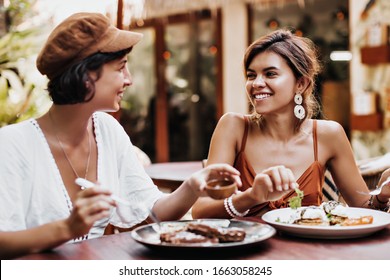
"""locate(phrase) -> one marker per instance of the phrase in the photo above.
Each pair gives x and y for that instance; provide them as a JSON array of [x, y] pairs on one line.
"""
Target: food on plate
[[202, 233], [331, 213], [185, 237], [296, 201], [311, 216], [232, 234], [358, 221]]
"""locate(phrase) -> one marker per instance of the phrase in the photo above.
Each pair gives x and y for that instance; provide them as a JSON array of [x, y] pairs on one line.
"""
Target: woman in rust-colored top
[[279, 147]]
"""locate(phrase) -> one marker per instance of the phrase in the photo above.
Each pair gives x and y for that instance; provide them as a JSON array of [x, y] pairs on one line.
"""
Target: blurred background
[[187, 71]]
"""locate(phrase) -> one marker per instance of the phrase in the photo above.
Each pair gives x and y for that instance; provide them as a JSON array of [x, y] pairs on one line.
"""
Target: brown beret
[[78, 37]]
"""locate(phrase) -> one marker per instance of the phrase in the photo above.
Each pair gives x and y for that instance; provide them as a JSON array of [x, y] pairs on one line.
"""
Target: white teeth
[[262, 96], [121, 95]]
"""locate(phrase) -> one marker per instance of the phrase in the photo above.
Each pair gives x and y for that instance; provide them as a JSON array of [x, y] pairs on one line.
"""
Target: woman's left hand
[[198, 180], [385, 194]]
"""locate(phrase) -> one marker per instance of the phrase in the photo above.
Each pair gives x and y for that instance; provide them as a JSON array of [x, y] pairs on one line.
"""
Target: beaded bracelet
[[225, 203], [234, 210]]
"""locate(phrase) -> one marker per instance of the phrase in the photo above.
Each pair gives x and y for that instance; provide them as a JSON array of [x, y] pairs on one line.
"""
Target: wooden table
[[170, 175], [280, 247]]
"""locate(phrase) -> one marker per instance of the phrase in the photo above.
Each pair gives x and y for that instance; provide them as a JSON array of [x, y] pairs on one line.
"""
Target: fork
[[85, 184], [378, 189]]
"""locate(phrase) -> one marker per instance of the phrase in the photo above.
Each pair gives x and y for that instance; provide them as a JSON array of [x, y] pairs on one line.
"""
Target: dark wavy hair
[[301, 55], [70, 87]]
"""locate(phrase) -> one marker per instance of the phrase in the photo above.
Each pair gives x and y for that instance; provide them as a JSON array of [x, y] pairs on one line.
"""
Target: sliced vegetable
[[296, 201]]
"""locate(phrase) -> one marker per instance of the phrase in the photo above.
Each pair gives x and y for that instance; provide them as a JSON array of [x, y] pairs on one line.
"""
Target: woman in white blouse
[[41, 206]]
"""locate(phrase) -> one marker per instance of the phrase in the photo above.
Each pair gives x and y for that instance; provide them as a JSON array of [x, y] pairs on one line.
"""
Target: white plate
[[149, 235], [381, 221]]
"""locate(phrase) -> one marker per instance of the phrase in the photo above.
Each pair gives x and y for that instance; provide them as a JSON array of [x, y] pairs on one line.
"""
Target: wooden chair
[[330, 190]]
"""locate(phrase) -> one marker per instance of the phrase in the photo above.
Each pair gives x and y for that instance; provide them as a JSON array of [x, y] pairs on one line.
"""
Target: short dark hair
[[70, 87]]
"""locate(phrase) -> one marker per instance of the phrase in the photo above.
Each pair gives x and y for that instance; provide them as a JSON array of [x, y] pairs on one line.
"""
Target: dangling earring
[[299, 111]]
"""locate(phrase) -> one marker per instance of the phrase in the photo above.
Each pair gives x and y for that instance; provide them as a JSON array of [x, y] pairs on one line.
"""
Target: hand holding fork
[[84, 184], [378, 189]]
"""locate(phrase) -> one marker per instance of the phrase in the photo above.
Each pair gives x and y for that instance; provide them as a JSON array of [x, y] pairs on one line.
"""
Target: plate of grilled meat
[[202, 233]]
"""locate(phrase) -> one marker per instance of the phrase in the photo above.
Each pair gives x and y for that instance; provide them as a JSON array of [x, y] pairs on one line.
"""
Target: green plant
[[21, 86]]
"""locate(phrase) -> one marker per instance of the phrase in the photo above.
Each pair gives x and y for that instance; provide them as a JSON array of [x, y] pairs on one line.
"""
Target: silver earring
[[299, 111]]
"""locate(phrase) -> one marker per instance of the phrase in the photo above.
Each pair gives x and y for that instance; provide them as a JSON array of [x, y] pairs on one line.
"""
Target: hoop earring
[[299, 110]]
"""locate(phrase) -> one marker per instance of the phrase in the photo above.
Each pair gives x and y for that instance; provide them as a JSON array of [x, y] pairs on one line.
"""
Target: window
[[172, 108]]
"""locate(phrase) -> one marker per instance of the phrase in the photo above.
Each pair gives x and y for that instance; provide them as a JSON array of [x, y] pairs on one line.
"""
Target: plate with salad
[[330, 220]]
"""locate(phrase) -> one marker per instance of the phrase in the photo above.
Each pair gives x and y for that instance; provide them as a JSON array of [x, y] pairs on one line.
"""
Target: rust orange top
[[310, 182]]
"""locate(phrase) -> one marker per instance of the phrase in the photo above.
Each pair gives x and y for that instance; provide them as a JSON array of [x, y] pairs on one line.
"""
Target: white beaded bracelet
[[234, 210], [225, 203]]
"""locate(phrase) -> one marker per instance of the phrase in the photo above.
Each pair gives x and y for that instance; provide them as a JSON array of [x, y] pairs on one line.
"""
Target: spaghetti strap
[[315, 140], [245, 136]]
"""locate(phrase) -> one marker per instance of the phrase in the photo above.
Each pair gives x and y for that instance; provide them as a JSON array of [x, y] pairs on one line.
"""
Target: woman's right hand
[[91, 205], [385, 193], [272, 184], [199, 179]]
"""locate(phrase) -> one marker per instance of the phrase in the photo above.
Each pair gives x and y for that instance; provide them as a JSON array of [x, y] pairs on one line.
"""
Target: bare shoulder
[[329, 129], [229, 131], [331, 136], [226, 140], [332, 139], [232, 121], [233, 117]]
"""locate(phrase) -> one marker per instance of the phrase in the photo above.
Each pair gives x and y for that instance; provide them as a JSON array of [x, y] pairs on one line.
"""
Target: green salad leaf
[[296, 201]]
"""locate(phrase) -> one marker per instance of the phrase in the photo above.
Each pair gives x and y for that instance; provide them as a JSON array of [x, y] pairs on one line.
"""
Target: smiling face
[[271, 84], [279, 65], [110, 87]]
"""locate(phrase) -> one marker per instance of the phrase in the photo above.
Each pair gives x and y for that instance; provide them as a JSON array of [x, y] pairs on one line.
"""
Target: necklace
[[66, 155]]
